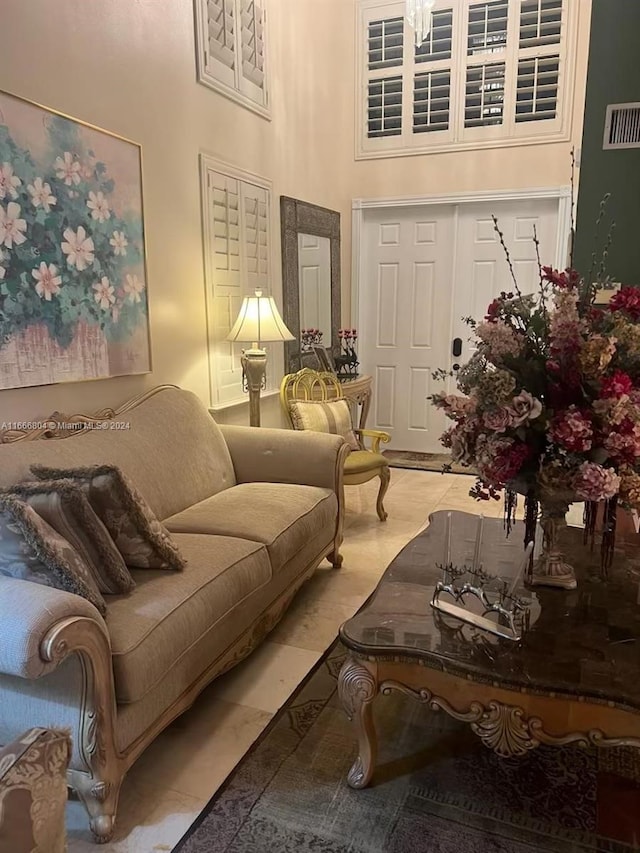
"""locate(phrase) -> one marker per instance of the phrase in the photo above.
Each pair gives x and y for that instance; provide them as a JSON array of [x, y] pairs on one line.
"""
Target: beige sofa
[[254, 511]]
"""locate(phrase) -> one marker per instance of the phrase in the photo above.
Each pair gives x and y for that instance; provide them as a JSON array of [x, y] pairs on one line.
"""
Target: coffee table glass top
[[584, 642]]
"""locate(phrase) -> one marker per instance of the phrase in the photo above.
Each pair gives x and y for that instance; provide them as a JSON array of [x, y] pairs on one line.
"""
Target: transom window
[[490, 72]]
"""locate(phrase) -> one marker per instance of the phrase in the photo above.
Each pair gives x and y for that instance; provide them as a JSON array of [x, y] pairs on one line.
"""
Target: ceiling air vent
[[622, 126]]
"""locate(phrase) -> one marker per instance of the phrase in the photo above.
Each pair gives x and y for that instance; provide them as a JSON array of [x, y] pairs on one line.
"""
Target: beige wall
[[129, 66]]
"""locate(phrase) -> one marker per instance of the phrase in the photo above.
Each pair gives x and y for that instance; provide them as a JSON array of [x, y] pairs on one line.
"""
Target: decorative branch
[[508, 255]]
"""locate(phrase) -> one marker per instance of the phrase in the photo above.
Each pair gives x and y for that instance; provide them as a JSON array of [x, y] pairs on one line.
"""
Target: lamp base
[[254, 371]]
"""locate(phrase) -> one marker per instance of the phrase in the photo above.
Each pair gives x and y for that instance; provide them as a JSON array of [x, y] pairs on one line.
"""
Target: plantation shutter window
[[489, 72], [237, 240], [231, 50]]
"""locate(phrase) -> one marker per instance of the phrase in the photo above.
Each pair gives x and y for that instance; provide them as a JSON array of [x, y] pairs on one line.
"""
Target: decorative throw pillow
[[333, 416], [141, 539], [64, 506], [33, 792], [30, 549]]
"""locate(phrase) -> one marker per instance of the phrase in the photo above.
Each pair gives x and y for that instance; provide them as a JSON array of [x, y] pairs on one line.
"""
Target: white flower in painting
[[48, 281], [98, 206], [68, 169], [78, 248], [133, 287], [11, 226], [41, 196], [8, 181], [104, 293], [119, 243]]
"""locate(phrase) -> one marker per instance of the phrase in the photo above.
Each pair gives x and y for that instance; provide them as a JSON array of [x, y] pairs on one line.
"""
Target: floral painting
[[73, 294]]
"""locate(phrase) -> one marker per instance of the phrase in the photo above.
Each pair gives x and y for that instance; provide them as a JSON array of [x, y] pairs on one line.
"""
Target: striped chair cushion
[[333, 416]]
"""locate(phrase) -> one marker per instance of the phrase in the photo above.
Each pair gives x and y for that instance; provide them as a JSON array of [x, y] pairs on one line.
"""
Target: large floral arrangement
[[550, 400], [66, 254]]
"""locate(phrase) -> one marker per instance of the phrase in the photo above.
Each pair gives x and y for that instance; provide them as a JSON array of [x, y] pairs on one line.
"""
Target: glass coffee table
[[574, 677]]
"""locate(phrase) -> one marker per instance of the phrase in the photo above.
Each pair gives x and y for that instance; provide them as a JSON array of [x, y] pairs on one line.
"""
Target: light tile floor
[[172, 781]]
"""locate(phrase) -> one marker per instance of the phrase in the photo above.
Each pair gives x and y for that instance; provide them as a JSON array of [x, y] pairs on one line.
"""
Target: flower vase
[[550, 568]]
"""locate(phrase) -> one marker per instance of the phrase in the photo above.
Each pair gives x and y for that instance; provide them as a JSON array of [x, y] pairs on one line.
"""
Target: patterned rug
[[424, 461], [436, 788]]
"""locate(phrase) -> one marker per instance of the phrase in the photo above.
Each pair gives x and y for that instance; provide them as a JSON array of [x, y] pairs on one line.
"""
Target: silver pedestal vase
[[550, 568]]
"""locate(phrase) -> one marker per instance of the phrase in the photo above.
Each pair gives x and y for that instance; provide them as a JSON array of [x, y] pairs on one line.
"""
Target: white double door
[[422, 269]]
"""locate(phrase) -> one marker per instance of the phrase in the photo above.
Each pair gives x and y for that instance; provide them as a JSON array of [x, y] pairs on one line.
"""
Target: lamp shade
[[259, 320]]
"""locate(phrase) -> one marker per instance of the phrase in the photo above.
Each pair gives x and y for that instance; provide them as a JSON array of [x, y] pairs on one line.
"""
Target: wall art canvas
[[73, 286]]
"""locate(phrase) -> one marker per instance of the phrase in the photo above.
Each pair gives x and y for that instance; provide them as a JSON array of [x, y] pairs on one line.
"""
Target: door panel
[[406, 317], [425, 268]]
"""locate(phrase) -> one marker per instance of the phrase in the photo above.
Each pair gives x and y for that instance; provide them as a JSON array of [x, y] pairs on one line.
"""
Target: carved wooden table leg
[[357, 688]]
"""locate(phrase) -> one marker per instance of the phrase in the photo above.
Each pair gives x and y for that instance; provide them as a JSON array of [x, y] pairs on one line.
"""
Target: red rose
[[492, 311], [567, 280], [616, 386], [628, 300]]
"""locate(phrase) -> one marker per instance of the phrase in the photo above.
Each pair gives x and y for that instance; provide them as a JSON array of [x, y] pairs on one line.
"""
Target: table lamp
[[258, 321]]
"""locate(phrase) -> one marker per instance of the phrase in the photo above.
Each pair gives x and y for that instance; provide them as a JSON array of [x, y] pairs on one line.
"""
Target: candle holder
[[464, 590], [347, 361], [310, 338]]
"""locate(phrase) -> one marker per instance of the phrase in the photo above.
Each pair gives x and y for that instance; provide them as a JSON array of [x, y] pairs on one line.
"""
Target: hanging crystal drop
[[418, 15]]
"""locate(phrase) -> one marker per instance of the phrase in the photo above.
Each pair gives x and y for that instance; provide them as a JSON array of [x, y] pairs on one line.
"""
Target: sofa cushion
[[141, 539], [155, 626], [169, 446], [33, 792], [280, 515]]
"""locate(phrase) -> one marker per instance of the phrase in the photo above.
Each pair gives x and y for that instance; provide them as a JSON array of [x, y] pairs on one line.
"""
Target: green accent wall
[[613, 77]]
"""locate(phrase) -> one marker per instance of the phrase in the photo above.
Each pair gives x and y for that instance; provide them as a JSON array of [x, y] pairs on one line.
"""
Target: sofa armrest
[[286, 456], [30, 613]]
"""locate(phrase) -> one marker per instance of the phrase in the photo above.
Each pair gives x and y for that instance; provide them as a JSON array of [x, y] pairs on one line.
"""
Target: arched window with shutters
[[490, 72]]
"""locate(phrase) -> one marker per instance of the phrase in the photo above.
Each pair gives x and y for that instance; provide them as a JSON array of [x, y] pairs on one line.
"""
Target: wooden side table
[[358, 392]]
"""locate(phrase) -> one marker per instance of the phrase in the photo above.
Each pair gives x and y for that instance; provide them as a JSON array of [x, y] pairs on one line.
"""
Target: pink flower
[[104, 293], [572, 430], [565, 327], [68, 169], [525, 407], [461, 440], [617, 385], [455, 407], [624, 442], [499, 338], [497, 420], [48, 281], [628, 300], [595, 483]]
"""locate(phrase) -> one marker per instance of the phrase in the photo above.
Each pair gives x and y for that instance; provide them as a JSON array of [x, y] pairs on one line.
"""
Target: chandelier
[[418, 15]]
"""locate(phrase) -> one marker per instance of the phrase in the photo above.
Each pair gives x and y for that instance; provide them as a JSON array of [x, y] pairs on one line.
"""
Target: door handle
[[457, 347]]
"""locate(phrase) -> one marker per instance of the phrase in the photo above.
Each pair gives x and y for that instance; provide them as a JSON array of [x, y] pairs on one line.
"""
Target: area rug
[[424, 461], [436, 788]]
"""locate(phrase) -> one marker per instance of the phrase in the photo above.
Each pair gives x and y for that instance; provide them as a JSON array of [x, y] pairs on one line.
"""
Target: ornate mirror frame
[[300, 217]]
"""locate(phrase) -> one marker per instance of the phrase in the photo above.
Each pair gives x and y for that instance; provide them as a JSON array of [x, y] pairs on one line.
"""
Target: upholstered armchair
[[313, 400]]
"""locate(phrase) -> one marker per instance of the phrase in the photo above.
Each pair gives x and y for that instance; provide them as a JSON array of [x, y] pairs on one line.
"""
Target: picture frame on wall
[[324, 359], [73, 272]]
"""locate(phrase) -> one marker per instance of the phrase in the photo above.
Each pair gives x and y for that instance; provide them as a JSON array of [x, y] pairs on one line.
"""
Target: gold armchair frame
[[360, 465]]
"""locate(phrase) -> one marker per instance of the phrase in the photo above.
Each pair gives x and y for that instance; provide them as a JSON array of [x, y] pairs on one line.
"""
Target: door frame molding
[[360, 205]]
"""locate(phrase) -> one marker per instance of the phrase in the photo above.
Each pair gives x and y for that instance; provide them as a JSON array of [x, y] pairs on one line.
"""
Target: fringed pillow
[[142, 540], [30, 549], [65, 507]]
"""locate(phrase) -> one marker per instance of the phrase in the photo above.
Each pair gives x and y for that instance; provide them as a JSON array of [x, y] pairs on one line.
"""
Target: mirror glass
[[314, 276]]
